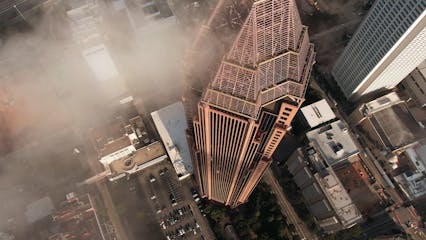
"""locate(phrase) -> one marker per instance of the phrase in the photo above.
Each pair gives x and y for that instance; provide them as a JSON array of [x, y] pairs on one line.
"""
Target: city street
[[287, 208]]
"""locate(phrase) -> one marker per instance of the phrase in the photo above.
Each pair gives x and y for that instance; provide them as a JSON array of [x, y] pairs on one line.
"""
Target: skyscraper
[[241, 112], [388, 45]]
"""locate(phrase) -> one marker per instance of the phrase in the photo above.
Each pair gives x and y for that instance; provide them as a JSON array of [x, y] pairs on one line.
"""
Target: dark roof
[[115, 145], [397, 126]]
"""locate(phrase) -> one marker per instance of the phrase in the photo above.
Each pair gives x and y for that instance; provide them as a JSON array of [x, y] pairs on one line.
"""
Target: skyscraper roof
[[266, 61]]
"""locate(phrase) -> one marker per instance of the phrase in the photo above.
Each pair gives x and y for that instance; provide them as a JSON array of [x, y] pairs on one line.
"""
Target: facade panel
[[387, 46]]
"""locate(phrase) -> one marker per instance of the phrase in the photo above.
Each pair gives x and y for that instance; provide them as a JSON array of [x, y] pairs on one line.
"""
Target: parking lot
[[133, 208], [174, 203]]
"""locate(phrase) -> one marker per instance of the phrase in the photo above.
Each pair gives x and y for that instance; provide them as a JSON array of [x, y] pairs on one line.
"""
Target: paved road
[[286, 207], [112, 213], [106, 197]]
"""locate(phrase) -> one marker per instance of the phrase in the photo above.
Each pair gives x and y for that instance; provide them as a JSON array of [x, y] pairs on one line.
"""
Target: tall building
[[387, 46], [242, 105]]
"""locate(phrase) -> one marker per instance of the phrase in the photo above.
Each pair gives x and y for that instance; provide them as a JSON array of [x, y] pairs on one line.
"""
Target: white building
[[318, 113], [413, 180], [170, 122], [415, 84], [388, 45], [334, 142]]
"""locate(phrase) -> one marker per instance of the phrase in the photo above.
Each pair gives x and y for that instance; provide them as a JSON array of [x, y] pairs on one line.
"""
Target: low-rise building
[[387, 123], [76, 218], [317, 113], [124, 146], [335, 143], [314, 167], [170, 122], [396, 139], [410, 171], [324, 194]]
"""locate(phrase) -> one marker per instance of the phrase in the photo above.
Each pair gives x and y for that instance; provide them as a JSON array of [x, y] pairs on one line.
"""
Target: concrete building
[[387, 46], [124, 146], [387, 123], [317, 113], [170, 122], [410, 171], [415, 84], [250, 98], [324, 194], [335, 143]]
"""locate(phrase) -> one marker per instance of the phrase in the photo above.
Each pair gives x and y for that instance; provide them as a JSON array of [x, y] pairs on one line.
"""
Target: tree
[[291, 228], [282, 232], [270, 218], [264, 236]]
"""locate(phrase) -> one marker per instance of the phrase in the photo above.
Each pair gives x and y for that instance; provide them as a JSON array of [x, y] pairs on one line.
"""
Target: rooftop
[[77, 219], [170, 122], [100, 61], [396, 126], [318, 113], [339, 199], [124, 132], [413, 178], [115, 145], [380, 103], [334, 142], [139, 160]]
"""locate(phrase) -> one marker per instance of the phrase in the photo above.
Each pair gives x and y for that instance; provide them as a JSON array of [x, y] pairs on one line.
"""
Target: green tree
[[282, 232]]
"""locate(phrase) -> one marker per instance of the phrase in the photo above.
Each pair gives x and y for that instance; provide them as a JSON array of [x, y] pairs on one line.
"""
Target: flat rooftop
[[334, 142], [396, 126], [339, 199], [77, 219], [318, 113], [152, 152], [170, 122], [116, 145], [381, 102]]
